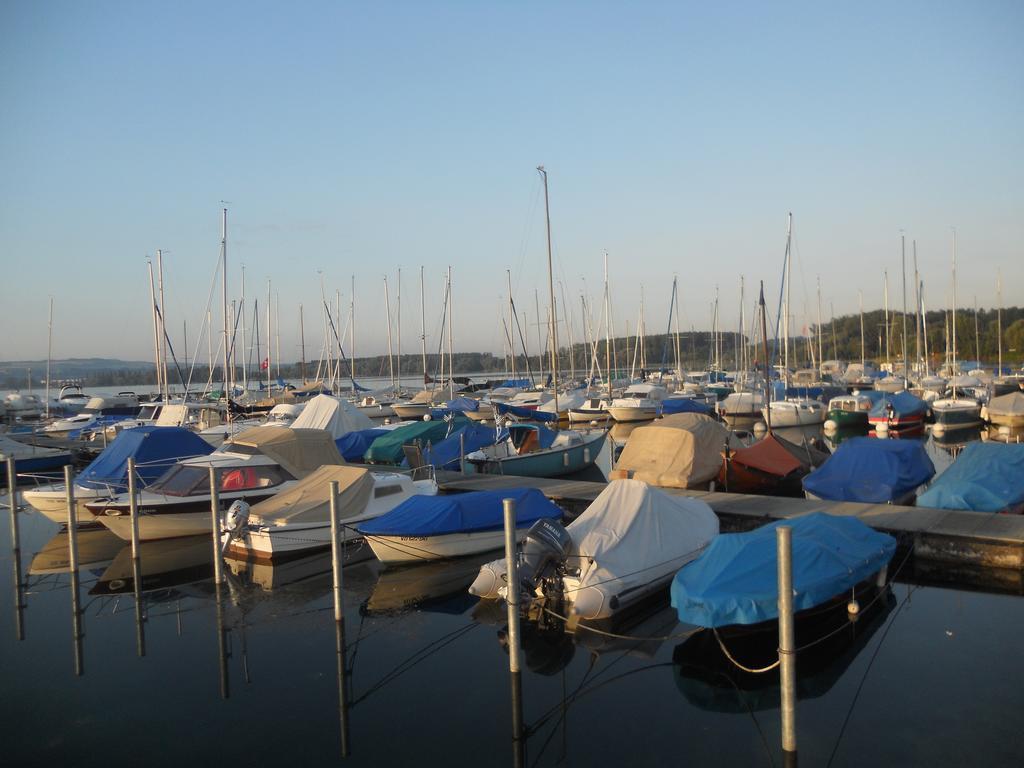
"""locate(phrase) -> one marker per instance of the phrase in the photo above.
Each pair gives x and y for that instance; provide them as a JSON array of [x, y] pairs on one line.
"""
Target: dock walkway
[[964, 538]]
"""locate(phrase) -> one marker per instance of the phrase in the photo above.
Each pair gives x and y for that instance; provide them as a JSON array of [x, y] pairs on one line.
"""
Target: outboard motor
[[546, 546], [235, 521]]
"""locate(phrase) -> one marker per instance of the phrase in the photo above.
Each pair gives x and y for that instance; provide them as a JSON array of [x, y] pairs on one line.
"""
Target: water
[[934, 681]]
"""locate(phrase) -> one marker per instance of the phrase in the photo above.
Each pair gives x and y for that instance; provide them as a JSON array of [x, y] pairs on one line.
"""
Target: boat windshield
[[192, 480]]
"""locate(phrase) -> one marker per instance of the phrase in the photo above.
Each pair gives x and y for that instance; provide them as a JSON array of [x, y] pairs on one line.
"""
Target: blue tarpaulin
[[986, 477], [871, 470], [903, 404], [472, 437], [352, 445], [461, 513], [672, 405], [525, 413], [735, 581], [154, 449]]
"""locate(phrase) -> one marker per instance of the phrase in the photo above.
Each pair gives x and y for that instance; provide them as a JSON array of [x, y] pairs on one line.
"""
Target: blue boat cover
[[518, 383], [672, 405], [154, 449], [525, 413], [903, 404], [735, 581], [461, 513], [472, 437], [986, 477], [352, 445], [871, 470], [457, 405]]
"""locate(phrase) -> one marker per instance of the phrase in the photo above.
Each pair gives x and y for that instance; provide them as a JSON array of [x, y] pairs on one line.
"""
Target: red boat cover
[[776, 456]]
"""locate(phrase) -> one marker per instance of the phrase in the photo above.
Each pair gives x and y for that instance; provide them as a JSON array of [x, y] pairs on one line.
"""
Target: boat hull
[[641, 413], [544, 463], [848, 419], [410, 549]]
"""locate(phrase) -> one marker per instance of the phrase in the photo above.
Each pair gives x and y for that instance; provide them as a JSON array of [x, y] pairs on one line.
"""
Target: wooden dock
[[977, 539]]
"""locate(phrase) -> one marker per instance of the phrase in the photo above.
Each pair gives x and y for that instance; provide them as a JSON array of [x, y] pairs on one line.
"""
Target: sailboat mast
[[977, 337], [156, 328], [224, 309], [352, 332], [821, 359], [451, 348], [903, 266], [268, 336], [767, 362], [551, 291], [785, 315], [49, 354], [302, 343], [387, 313], [511, 324], [999, 319], [607, 328], [163, 323], [245, 338], [860, 297], [277, 334], [399, 328], [886, 295], [423, 330], [954, 305]]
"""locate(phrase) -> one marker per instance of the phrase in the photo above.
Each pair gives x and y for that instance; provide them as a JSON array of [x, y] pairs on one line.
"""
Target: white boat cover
[[309, 500], [1007, 406], [633, 534], [339, 417], [300, 451], [566, 401], [678, 451]]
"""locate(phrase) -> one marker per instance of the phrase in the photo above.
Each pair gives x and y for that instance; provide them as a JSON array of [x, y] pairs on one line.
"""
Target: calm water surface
[[932, 678]]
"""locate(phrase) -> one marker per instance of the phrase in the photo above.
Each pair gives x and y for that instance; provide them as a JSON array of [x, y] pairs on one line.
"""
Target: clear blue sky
[[356, 138]]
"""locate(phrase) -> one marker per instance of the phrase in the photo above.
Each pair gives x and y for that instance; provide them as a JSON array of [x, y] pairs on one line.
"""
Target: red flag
[[265, 364]]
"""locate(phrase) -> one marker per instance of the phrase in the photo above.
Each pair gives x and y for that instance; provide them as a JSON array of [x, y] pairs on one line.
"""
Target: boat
[[592, 409], [455, 525], [985, 477], [534, 450], [680, 451], [773, 466], [154, 449], [298, 520], [31, 459], [899, 413], [739, 407], [390, 447], [850, 412], [19, 406], [418, 405], [734, 583], [640, 402], [870, 470], [626, 546], [337, 416], [450, 453], [253, 466], [1006, 410]]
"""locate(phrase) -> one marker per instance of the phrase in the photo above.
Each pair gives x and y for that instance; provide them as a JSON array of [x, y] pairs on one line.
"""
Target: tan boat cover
[[309, 500], [299, 451], [678, 451], [1006, 406], [428, 396]]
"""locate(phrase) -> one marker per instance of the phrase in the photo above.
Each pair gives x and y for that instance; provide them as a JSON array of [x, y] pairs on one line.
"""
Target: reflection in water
[[97, 547], [439, 586], [165, 564], [710, 681]]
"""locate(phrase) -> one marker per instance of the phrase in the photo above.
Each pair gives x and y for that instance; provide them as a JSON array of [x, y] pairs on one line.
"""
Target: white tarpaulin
[[339, 417], [310, 499], [633, 535]]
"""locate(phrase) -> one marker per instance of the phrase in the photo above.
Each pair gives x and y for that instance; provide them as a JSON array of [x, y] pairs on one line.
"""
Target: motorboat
[[899, 413], [870, 470], [640, 402], [154, 449], [626, 546], [741, 407], [850, 412], [794, 412], [773, 466], [985, 477], [31, 459], [253, 466], [436, 527], [298, 519], [418, 405], [534, 450], [1006, 410], [591, 409], [733, 586], [680, 451]]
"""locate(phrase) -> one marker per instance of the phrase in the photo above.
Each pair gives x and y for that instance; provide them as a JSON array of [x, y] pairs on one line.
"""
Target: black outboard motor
[[546, 546]]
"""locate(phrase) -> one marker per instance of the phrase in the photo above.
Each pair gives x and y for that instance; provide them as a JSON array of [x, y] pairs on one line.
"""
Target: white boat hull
[[51, 503], [411, 549], [641, 413]]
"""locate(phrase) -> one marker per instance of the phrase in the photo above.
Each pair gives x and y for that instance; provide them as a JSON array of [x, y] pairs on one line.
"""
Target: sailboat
[[955, 411]]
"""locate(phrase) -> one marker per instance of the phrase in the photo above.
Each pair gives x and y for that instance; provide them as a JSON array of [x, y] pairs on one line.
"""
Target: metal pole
[[76, 622], [222, 645], [512, 598], [339, 612], [140, 616], [787, 654], [218, 565], [69, 495], [133, 508], [12, 498], [339, 645]]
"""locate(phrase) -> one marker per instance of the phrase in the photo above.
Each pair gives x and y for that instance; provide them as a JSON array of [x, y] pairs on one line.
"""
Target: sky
[[350, 140]]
